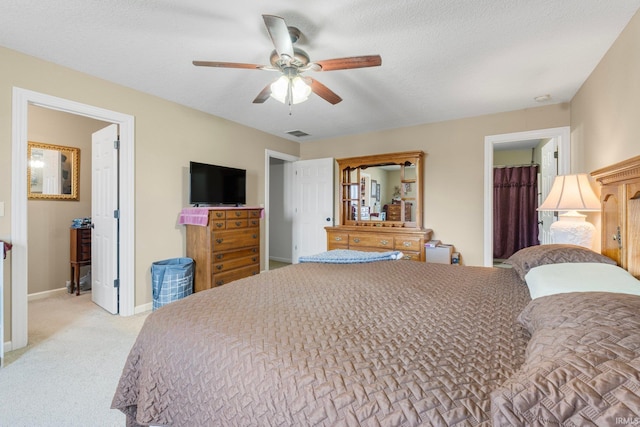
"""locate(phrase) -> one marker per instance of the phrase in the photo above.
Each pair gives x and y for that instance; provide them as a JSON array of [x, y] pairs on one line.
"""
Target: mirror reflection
[[52, 171], [380, 193]]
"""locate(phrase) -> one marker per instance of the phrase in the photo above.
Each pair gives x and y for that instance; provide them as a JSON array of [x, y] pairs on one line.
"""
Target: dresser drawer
[[374, 241], [234, 263], [215, 215], [408, 243], [235, 239], [232, 224], [236, 223], [255, 213], [219, 279], [218, 224], [411, 256], [337, 240], [235, 214], [241, 253]]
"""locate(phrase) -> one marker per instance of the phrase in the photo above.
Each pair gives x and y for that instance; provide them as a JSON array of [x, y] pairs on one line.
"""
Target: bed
[[553, 340]]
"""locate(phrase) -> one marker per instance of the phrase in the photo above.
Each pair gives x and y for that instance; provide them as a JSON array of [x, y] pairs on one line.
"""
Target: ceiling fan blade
[[228, 65], [323, 92], [279, 34], [351, 62], [263, 95]]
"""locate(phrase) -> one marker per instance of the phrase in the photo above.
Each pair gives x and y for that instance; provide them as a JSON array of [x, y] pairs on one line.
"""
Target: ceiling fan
[[292, 87]]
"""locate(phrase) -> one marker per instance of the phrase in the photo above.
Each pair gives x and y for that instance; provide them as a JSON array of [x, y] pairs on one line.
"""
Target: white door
[[104, 212], [313, 206], [549, 170]]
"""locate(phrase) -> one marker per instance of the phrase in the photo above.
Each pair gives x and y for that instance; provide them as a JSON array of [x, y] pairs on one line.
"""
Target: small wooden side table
[[80, 247]]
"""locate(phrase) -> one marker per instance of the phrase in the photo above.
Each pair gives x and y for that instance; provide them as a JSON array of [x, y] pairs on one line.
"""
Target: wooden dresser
[[409, 241], [79, 255], [394, 212], [397, 176], [227, 248]]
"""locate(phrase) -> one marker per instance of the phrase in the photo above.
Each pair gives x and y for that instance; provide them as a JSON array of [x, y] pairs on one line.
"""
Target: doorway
[[278, 232], [561, 135], [22, 98], [298, 205]]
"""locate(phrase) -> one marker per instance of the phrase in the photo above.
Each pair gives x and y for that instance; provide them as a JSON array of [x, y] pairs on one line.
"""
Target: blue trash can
[[171, 280]]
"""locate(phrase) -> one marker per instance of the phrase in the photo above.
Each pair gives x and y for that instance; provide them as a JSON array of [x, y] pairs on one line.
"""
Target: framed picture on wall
[[377, 192], [374, 188]]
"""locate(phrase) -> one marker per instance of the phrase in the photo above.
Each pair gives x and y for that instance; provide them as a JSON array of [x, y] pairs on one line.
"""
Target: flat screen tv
[[216, 185]]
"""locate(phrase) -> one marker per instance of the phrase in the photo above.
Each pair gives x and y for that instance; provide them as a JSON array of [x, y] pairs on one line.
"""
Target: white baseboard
[[45, 294], [143, 308]]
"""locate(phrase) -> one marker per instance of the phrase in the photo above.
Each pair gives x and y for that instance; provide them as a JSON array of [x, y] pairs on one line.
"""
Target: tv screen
[[216, 185]]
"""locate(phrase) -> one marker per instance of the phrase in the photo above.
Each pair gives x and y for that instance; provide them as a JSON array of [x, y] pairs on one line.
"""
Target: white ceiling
[[441, 59]]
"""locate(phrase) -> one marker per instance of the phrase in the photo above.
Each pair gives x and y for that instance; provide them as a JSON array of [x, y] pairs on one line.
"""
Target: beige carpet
[[68, 373]]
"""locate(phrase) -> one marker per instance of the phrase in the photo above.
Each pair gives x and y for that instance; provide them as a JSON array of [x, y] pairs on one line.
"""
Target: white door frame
[[268, 154], [563, 135], [19, 272]]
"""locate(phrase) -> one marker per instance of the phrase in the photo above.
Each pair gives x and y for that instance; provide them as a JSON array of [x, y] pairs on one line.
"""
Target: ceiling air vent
[[297, 133]]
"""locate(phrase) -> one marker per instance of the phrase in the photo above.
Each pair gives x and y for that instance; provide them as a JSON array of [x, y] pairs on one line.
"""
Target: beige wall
[[167, 136], [511, 157], [454, 166], [605, 113], [49, 220]]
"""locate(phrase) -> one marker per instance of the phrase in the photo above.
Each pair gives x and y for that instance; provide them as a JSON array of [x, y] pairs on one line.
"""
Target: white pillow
[[562, 278]]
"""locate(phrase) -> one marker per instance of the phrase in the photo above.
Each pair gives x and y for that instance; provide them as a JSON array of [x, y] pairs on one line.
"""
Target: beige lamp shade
[[571, 193]]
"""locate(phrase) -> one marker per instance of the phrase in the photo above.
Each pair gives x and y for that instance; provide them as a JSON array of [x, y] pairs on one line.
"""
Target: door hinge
[[116, 283], [116, 144], [116, 214], [555, 154]]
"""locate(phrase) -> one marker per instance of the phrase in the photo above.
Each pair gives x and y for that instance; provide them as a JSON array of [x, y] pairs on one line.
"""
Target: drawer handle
[[219, 224], [407, 257], [356, 240], [255, 272], [338, 238], [254, 259], [219, 256], [255, 236], [219, 266], [238, 213], [254, 250], [219, 240], [384, 242], [238, 223], [220, 282], [406, 244], [219, 214]]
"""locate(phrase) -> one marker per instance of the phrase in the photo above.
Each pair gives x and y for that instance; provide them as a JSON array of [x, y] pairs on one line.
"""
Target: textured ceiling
[[441, 59]]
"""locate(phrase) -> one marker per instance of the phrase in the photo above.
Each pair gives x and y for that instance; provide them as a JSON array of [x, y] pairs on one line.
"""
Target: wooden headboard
[[620, 198]]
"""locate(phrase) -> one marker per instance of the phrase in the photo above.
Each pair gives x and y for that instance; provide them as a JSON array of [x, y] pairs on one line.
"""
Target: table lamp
[[570, 194]]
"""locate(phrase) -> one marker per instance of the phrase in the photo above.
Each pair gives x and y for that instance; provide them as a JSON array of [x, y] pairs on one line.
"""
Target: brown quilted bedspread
[[582, 366], [389, 343]]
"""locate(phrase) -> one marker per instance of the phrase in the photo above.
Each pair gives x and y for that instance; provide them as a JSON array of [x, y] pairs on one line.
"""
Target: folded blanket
[[348, 256]]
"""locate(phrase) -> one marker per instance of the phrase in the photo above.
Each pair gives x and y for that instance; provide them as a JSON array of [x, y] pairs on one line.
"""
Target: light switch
[[1, 208]]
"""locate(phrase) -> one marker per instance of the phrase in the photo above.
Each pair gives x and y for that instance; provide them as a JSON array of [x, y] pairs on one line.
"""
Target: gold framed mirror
[[52, 171]]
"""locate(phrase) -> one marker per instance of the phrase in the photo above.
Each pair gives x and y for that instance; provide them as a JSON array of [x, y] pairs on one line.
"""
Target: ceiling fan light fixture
[[279, 89], [286, 87]]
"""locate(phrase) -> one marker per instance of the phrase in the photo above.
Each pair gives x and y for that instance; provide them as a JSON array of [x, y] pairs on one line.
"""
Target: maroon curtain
[[515, 199]]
